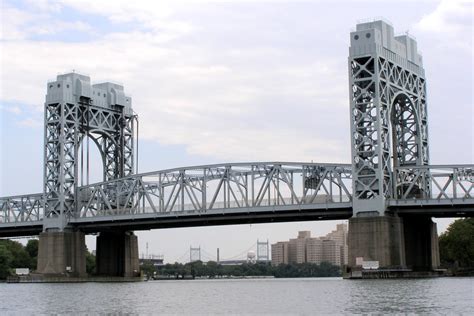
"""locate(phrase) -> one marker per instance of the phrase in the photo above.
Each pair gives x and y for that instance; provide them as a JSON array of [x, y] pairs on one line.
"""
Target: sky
[[223, 81]]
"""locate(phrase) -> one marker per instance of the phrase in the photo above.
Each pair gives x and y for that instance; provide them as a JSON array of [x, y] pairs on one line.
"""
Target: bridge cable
[[87, 135], [136, 119], [181, 258], [82, 153], [239, 256], [208, 255]]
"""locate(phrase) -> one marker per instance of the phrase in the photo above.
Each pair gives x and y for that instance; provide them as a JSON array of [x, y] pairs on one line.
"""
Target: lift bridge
[[389, 191]]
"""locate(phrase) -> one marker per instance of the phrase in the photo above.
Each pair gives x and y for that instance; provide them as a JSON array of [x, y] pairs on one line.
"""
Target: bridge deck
[[232, 216]]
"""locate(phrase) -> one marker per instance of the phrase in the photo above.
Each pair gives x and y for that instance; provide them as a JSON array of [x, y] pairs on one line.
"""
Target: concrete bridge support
[[62, 253], [117, 254], [421, 243], [395, 242]]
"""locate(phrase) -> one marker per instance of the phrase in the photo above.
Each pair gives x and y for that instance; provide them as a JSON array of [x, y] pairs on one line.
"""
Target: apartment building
[[306, 249]]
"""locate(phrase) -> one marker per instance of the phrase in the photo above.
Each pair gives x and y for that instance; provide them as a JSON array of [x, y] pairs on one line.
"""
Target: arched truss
[[389, 124], [65, 126], [218, 187], [109, 149], [252, 186]]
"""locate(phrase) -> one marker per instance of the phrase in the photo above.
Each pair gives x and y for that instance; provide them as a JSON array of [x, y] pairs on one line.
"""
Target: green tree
[[20, 257], [32, 250], [212, 269], [5, 261], [32, 247], [90, 263], [456, 245]]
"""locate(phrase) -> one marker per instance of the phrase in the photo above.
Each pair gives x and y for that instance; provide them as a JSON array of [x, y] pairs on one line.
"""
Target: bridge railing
[[443, 182], [218, 187], [21, 208]]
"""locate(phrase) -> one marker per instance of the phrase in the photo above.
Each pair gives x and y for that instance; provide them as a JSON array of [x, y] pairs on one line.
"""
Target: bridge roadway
[[240, 193]]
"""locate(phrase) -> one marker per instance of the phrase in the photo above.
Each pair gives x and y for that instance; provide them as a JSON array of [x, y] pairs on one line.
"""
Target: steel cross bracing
[[388, 101], [451, 194], [221, 187], [66, 126], [22, 208], [255, 186], [388, 113]]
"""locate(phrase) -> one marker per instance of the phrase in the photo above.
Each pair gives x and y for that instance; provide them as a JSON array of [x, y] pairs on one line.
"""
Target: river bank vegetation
[[456, 247], [212, 269], [14, 255]]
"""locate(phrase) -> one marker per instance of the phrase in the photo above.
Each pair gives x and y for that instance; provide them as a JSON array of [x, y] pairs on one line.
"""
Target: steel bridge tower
[[263, 251], [194, 254], [76, 112], [389, 124], [389, 130]]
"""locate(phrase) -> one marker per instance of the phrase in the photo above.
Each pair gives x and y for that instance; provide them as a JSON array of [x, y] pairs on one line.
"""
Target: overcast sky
[[223, 81]]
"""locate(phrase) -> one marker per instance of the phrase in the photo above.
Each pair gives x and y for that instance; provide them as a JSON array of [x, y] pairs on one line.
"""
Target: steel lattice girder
[[448, 182], [66, 125], [388, 111], [218, 187], [22, 208], [227, 188]]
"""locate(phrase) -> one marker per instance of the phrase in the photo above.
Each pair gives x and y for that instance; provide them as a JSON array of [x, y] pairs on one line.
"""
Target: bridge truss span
[[200, 189], [447, 182], [22, 208], [450, 194], [247, 190], [21, 215]]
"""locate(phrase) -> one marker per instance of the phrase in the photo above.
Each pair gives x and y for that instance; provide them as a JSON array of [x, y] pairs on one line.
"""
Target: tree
[[32, 250], [5, 262], [90, 263], [20, 257], [32, 247], [212, 269], [456, 245]]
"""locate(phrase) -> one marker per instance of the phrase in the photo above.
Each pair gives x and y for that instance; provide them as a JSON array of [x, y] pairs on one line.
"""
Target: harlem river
[[249, 296]]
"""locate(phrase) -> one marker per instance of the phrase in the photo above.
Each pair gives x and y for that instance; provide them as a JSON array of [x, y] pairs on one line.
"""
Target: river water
[[257, 296]]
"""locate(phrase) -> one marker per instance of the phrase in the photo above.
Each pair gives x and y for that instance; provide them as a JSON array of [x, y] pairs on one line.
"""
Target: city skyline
[[244, 90], [210, 254]]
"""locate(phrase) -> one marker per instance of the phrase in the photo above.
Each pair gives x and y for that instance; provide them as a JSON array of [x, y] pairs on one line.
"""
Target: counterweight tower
[[75, 110], [389, 126]]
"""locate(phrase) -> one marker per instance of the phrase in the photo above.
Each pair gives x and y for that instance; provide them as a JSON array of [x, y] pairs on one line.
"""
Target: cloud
[[236, 102], [450, 16], [220, 82], [20, 24], [13, 21], [11, 109], [30, 122], [452, 20], [150, 15]]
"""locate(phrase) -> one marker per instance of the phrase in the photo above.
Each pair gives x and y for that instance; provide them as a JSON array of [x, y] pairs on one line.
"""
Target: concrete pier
[[397, 244], [117, 254], [62, 253], [377, 238], [421, 243]]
